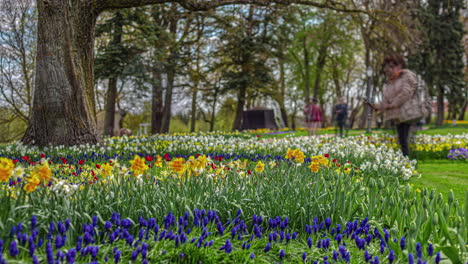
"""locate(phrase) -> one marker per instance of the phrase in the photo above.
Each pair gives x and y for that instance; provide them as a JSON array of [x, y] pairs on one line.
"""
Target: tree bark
[[156, 103], [321, 60], [193, 118], [213, 108], [170, 70], [109, 118], [461, 117], [306, 70], [440, 105], [284, 114], [240, 108], [63, 94]]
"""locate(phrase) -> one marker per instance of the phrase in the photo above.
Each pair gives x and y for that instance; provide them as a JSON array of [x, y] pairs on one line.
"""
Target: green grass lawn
[[444, 130], [443, 175]]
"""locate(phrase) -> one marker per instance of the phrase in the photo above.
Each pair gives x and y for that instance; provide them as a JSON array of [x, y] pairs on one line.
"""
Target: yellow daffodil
[[260, 167], [138, 166], [6, 169]]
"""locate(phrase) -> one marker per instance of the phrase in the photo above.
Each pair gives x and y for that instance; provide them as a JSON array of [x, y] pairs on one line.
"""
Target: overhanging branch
[[204, 5]]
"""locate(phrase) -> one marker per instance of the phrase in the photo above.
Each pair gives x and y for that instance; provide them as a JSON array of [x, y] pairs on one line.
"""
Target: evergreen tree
[[439, 59]]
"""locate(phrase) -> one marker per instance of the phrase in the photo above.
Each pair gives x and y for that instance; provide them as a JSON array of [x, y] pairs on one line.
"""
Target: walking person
[[400, 86], [313, 117], [341, 114]]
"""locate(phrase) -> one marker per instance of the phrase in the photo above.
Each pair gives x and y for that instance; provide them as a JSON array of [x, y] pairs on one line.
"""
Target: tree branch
[[204, 5]]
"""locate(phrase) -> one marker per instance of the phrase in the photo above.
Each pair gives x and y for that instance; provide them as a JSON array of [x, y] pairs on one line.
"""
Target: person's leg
[[341, 125], [403, 133]]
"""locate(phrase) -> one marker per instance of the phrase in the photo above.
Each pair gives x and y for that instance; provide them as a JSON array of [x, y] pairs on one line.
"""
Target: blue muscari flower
[[61, 227], [418, 250], [58, 241], [35, 260], [328, 222], [410, 258], [51, 227], [430, 250], [309, 242], [369, 239], [239, 212], [32, 246], [335, 255], [134, 255], [12, 231], [438, 258], [288, 237], [304, 256], [402, 243], [33, 222], [281, 254], [117, 255], [70, 256], [367, 257], [252, 256], [182, 255], [267, 247], [108, 225], [49, 253], [391, 257], [338, 238], [294, 235], [13, 249], [376, 260], [220, 228], [247, 247], [377, 233]]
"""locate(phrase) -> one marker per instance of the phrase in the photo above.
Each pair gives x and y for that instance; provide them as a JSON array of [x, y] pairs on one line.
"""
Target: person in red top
[[313, 117]]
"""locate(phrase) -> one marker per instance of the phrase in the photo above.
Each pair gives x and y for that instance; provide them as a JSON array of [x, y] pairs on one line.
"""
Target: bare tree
[[17, 58]]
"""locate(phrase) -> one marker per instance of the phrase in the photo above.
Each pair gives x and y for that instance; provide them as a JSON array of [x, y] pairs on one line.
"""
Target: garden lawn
[[444, 130], [443, 175]]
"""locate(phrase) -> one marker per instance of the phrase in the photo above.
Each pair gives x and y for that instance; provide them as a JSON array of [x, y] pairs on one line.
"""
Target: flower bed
[[300, 178]]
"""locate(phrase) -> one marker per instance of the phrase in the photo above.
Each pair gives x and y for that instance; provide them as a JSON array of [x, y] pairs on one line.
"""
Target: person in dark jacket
[[341, 114]]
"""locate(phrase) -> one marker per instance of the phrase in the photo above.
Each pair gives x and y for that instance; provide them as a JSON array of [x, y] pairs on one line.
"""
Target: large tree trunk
[[240, 108], [109, 118], [321, 60], [306, 70], [213, 109], [168, 101], [166, 120], [112, 88], [156, 103], [64, 82], [461, 117], [193, 118], [284, 114], [440, 105]]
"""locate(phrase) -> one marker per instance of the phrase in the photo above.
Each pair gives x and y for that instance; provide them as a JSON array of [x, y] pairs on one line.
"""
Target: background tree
[[118, 57], [439, 58], [17, 59]]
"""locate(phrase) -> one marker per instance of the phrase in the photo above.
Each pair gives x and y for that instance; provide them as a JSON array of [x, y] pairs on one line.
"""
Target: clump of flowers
[[295, 154], [138, 166], [458, 154], [260, 167], [6, 169], [42, 172], [106, 169], [177, 165]]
